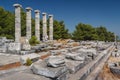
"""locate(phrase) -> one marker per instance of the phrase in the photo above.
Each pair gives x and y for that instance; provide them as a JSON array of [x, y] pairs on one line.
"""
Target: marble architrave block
[[41, 68]]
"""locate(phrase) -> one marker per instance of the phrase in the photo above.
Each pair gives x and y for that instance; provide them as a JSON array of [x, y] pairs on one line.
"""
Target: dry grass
[[75, 44], [63, 41]]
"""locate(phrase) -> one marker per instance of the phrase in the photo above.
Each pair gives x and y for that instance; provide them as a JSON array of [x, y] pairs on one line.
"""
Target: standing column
[[17, 22], [50, 27], [37, 24], [28, 22], [45, 37]]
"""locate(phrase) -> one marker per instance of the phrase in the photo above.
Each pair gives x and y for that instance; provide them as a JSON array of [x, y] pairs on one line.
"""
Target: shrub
[[28, 62], [33, 41]]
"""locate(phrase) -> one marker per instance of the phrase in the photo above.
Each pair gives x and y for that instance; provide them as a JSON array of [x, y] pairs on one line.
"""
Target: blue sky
[[72, 12]]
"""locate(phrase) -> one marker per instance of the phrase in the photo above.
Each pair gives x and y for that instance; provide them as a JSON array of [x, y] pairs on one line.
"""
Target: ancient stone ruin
[[21, 44], [51, 59]]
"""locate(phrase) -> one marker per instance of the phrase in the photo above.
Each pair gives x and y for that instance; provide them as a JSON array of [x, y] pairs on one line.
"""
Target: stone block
[[3, 47], [115, 69], [24, 76], [25, 43], [63, 51], [73, 66], [32, 56], [26, 47], [43, 45], [75, 57], [87, 60], [3, 44], [54, 52], [62, 76], [110, 64], [92, 50], [41, 68], [3, 39], [27, 52], [14, 47], [55, 61], [57, 44], [36, 47]]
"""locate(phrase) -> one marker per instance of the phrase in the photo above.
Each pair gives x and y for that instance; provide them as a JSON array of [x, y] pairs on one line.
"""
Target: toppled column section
[[28, 22], [17, 22]]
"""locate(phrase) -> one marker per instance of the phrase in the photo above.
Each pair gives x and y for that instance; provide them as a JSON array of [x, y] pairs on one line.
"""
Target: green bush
[[33, 41], [28, 62]]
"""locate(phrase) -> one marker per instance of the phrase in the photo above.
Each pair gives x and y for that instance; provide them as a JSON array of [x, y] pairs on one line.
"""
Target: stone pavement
[[23, 75], [8, 59]]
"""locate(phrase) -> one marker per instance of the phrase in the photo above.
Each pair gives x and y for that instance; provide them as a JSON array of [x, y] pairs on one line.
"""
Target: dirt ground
[[9, 66]]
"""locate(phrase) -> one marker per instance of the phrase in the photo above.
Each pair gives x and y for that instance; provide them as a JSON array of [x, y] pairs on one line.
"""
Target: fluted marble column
[[17, 22], [50, 27], [45, 36], [28, 22], [37, 24]]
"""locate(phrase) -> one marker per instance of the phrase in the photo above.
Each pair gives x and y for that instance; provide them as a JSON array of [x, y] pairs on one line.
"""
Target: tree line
[[87, 32], [81, 32]]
